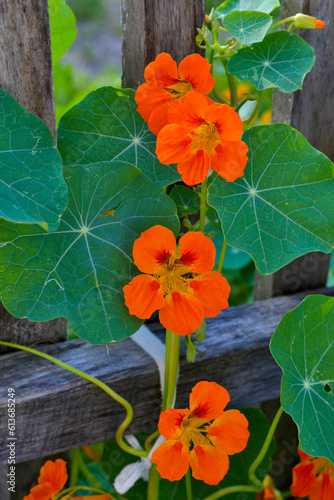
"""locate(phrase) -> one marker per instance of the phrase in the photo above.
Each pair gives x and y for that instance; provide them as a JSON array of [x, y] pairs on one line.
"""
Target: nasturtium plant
[[32, 187], [281, 60], [266, 6], [78, 272], [63, 28], [281, 208], [105, 126], [303, 346], [247, 27]]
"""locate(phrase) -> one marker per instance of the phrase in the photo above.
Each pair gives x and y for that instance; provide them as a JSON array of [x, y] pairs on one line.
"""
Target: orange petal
[[150, 97], [158, 119], [227, 121], [171, 458], [323, 488], [304, 456], [208, 400], [230, 432], [152, 249], [196, 70], [165, 70], [182, 313], [54, 473], [208, 464], [143, 295], [194, 168], [188, 111], [170, 423], [229, 160], [303, 478], [173, 144], [196, 252], [149, 73], [41, 492], [212, 290]]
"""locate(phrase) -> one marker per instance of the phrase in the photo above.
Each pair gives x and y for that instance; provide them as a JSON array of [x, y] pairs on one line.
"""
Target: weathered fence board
[[57, 410], [26, 73], [150, 27]]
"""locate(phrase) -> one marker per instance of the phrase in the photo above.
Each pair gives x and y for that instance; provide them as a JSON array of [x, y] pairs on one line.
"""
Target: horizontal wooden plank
[[56, 410]]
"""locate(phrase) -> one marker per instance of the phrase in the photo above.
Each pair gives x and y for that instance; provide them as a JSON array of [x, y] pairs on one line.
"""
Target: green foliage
[[302, 345], [282, 207], [63, 28], [106, 126], [78, 272], [72, 85], [281, 60], [265, 6], [32, 188], [186, 200], [247, 27]]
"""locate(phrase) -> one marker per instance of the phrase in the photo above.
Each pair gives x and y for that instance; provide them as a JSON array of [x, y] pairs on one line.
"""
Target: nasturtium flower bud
[[302, 21]]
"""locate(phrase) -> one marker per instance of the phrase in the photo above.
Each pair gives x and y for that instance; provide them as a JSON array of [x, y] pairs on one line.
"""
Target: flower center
[[205, 137], [194, 431], [179, 89]]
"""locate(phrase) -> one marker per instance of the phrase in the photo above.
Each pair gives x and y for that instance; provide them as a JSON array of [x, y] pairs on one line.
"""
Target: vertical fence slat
[[26, 73], [311, 112], [150, 27]]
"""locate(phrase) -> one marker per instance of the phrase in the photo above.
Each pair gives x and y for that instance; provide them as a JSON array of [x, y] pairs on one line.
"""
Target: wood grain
[[57, 410], [150, 27], [310, 111], [26, 73]]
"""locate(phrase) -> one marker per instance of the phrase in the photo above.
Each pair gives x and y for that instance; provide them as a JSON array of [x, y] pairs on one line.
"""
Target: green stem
[[202, 206], [286, 20], [74, 470], [222, 256], [153, 483], [150, 438], [253, 117], [231, 84], [77, 488], [241, 103], [87, 474], [264, 449], [129, 411], [173, 342], [232, 489], [188, 485]]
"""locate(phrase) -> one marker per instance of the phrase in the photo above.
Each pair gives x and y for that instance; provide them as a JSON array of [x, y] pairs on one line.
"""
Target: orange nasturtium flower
[[52, 479], [165, 82], [182, 286], [202, 136], [201, 437], [313, 477]]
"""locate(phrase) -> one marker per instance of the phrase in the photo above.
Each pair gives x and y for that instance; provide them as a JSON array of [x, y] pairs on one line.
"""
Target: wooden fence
[[57, 410]]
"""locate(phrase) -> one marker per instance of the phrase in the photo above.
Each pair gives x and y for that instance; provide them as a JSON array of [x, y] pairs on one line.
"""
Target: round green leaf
[[63, 28], [32, 188], [106, 126], [281, 60], [265, 6], [186, 200], [303, 346], [247, 27], [283, 206], [79, 271]]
